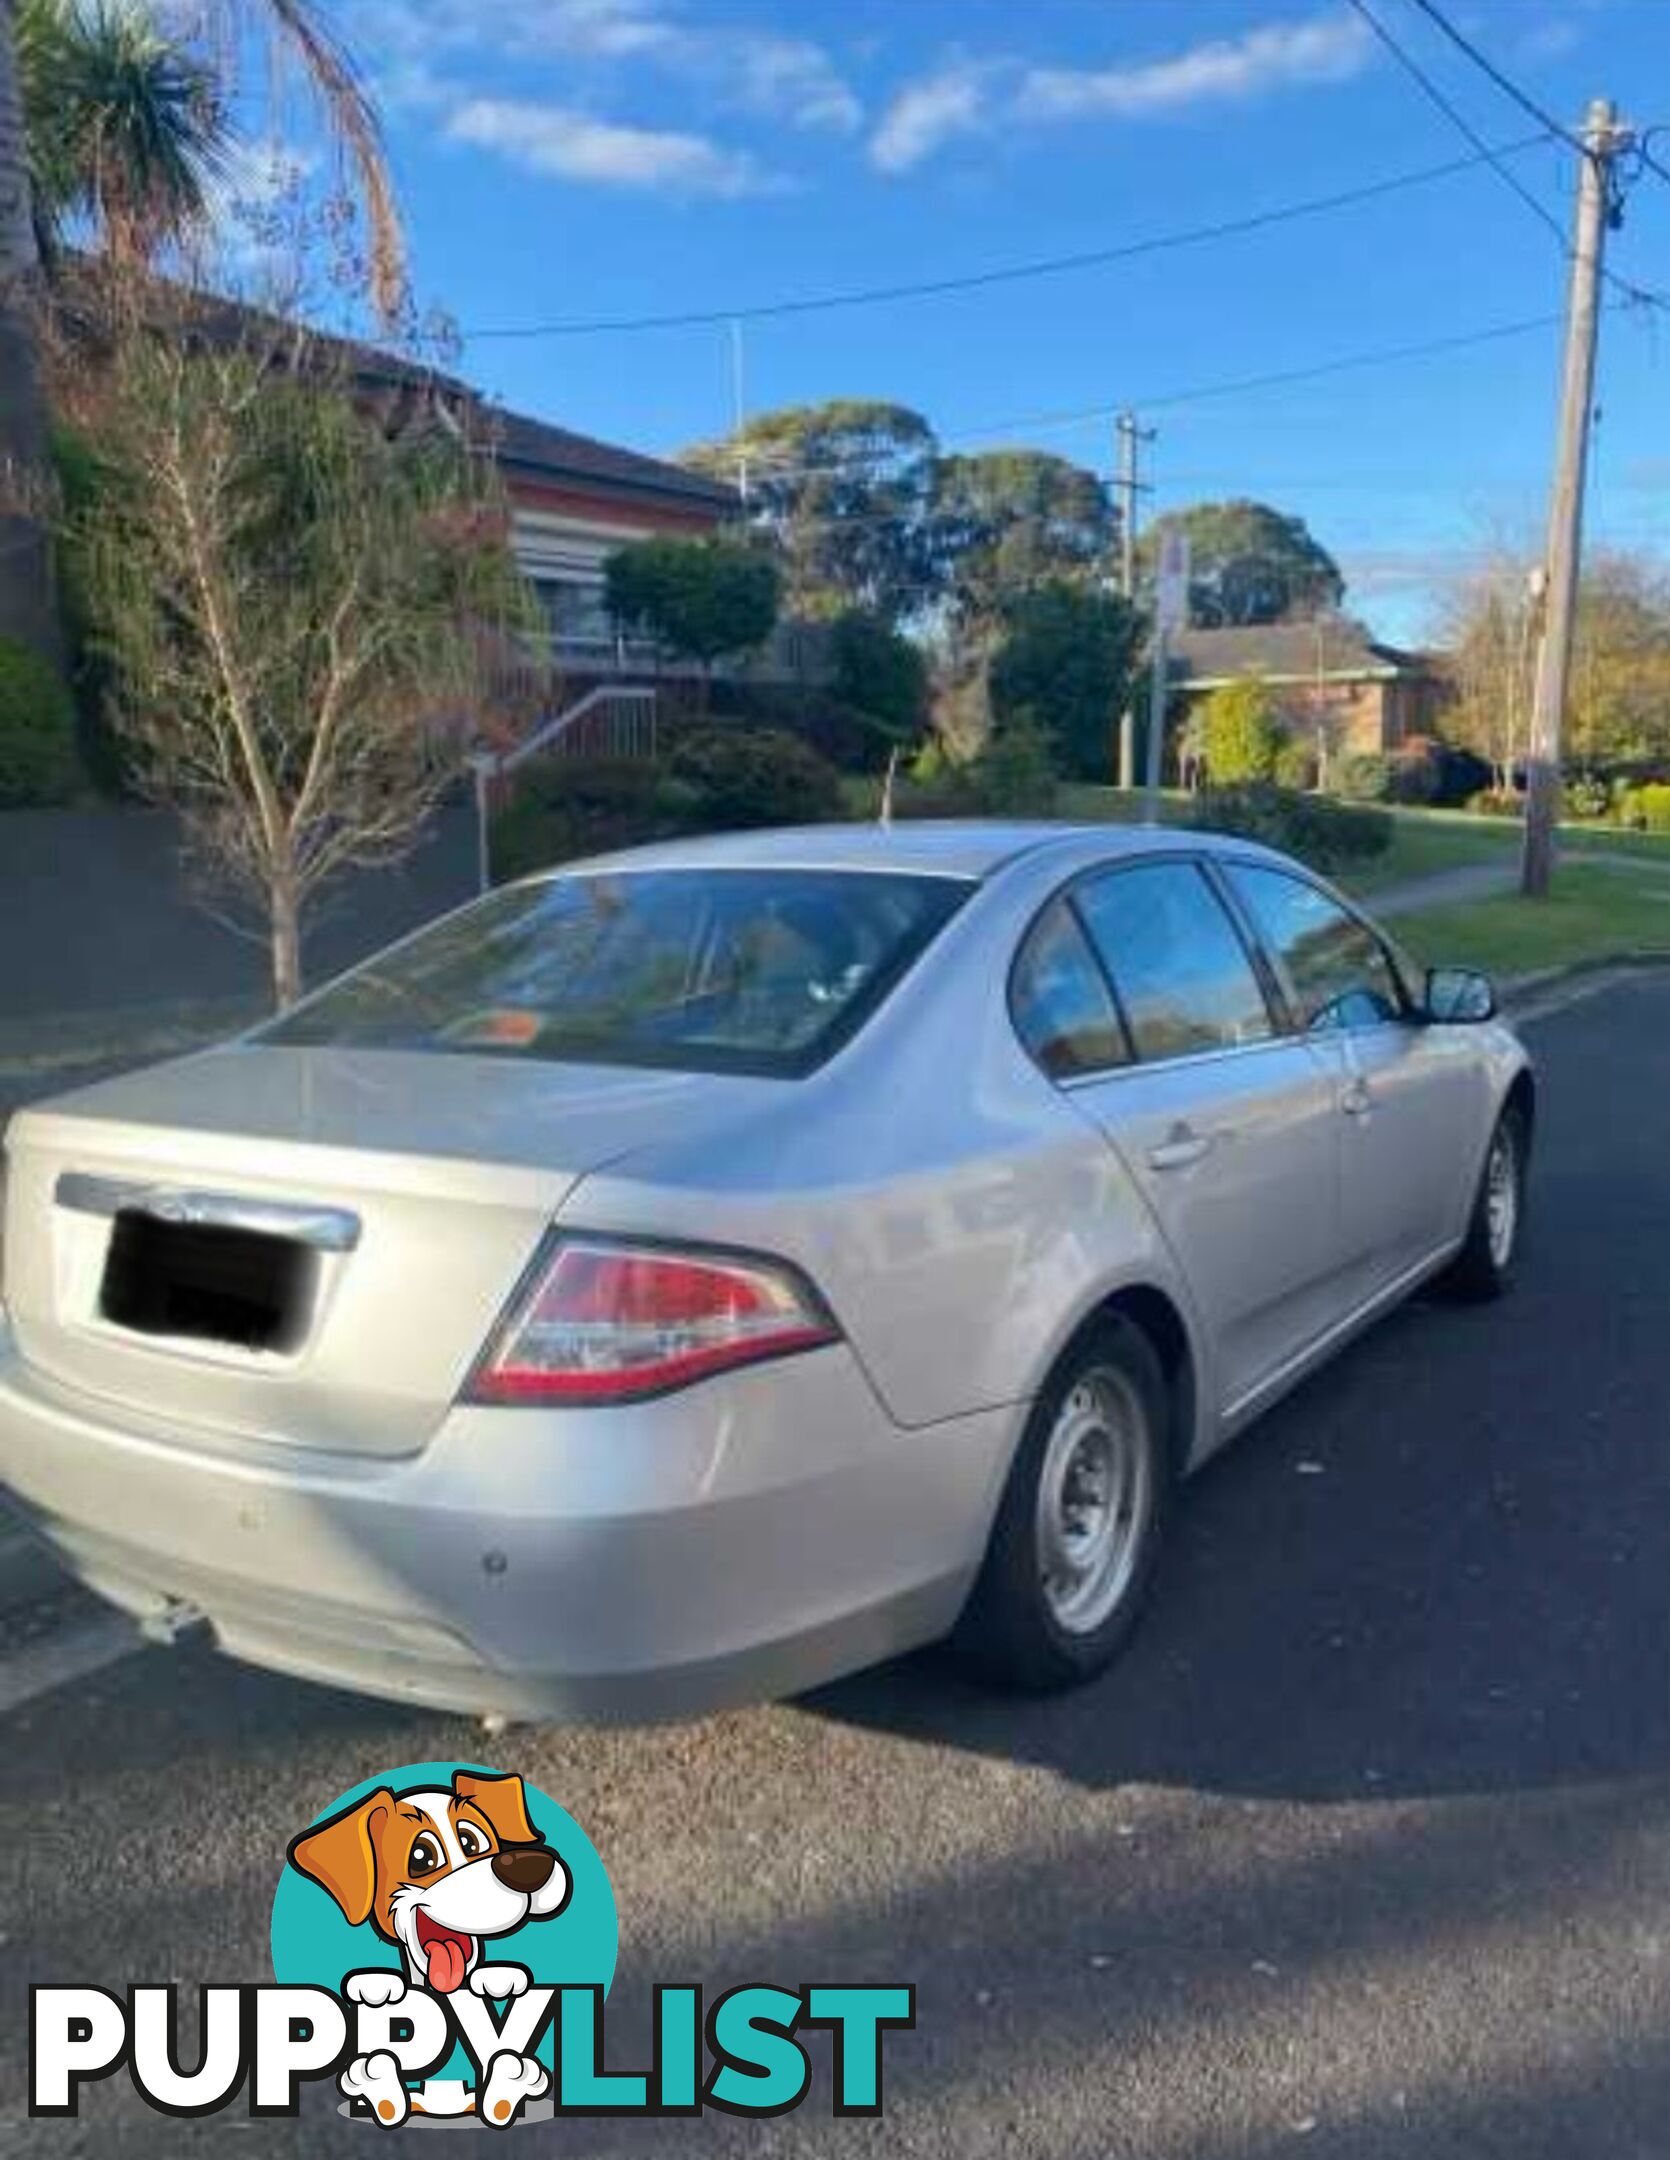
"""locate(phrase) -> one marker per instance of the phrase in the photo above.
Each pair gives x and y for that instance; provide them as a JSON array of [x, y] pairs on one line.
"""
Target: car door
[[1406, 1092], [1227, 1125]]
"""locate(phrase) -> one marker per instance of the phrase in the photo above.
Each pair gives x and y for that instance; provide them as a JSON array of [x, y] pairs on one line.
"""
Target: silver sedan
[[710, 1269]]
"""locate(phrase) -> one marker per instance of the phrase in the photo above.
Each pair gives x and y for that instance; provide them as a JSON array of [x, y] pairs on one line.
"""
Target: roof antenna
[[885, 818]]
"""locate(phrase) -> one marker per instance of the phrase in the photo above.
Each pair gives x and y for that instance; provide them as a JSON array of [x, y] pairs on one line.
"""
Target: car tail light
[[604, 1320]]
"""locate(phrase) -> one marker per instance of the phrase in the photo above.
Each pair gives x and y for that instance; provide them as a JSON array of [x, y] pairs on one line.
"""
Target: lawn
[[1593, 913]]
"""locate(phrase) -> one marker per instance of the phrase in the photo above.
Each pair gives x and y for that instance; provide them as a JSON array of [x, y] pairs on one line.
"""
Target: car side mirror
[[1458, 997]]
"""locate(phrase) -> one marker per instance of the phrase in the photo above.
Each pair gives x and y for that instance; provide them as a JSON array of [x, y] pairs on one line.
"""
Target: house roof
[[545, 451], [1337, 650], [535, 448]]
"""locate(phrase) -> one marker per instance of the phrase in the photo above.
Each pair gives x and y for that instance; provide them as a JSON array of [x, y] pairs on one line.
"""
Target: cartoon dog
[[438, 1872]]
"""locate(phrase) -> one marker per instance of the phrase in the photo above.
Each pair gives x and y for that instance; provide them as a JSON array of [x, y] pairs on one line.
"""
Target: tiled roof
[[535, 447], [1294, 650], [538, 447]]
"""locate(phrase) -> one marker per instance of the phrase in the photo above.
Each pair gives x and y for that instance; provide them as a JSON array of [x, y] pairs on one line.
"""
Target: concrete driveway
[[1365, 1850]]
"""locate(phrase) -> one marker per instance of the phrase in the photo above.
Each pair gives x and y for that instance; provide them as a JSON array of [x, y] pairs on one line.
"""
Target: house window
[[575, 612]]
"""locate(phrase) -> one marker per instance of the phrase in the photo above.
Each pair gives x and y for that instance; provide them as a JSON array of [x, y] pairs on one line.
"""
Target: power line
[[1641, 295], [1407, 61], [1521, 98], [1012, 273], [1645, 155], [1345, 363], [1279, 378]]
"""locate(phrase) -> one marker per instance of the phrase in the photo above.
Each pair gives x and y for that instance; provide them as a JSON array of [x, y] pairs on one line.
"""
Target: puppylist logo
[[443, 1938]]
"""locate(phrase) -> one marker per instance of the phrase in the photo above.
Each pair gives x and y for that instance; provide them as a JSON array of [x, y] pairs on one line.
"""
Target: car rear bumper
[[743, 1539]]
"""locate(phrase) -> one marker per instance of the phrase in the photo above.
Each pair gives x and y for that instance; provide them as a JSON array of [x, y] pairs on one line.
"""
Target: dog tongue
[[447, 1959]]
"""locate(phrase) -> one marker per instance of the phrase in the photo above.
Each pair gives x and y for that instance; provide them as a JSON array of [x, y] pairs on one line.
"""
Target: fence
[[96, 913]]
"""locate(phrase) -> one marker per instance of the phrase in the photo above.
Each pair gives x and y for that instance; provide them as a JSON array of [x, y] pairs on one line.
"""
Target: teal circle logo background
[[314, 1946]]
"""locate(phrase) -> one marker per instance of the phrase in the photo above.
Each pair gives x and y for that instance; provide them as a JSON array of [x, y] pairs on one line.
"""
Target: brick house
[[1332, 681], [574, 500]]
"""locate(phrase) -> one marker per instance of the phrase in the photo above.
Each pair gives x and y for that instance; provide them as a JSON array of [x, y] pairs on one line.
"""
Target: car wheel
[[1079, 1528], [1484, 1266]]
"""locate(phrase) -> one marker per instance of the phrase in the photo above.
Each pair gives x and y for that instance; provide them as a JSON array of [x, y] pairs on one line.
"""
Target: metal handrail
[[486, 766]]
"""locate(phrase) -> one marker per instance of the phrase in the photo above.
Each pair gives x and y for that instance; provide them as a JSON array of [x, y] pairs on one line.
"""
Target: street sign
[[1171, 580]]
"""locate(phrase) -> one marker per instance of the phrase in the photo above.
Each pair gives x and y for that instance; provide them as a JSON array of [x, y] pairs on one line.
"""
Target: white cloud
[[928, 114], [969, 96], [572, 145], [413, 44], [1324, 49], [786, 78]]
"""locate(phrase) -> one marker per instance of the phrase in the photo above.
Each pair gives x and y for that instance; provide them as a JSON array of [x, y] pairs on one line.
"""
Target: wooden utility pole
[[1602, 139], [1129, 487]]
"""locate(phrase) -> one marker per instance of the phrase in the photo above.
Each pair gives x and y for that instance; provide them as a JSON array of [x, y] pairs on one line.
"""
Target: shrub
[[848, 738], [881, 675], [1295, 766], [1461, 774], [1496, 802], [568, 807], [1415, 773], [754, 776], [38, 762], [1364, 776], [1321, 832], [1013, 776], [1240, 736], [1647, 808], [1586, 795]]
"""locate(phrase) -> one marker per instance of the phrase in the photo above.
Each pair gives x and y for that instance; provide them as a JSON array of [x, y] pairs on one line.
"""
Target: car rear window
[[750, 970]]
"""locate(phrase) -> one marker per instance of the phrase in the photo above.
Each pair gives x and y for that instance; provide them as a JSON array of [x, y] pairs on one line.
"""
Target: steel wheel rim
[[1501, 1198], [1095, 1495]]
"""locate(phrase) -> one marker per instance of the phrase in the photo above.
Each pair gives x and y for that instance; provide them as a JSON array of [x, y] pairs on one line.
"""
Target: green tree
[[1066, 660], [882, 674], [841, 488], [128, 130], [1240, 734], [702, 600], [38, 762], [1005, 522], [1250, 564], [292, 604]]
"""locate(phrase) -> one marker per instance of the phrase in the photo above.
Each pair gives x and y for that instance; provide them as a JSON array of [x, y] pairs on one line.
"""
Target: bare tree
[[1488, 629], [292, 600]]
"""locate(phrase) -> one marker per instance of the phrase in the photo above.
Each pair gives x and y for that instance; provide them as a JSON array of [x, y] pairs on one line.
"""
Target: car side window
[[1183, 976], [1059, 998], [1336, 972]]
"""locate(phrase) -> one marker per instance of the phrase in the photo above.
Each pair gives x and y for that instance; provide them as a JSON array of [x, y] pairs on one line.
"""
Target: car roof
[[971, 848]]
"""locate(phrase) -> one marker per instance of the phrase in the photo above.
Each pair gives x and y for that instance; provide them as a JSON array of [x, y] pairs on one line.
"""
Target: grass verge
[[1592, 914]]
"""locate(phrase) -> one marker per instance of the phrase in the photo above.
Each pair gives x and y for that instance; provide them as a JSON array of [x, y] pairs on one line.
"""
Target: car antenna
[[885, 817]]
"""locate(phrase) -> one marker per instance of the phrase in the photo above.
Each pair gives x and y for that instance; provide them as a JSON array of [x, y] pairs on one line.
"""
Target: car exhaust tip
[[176, 1624]]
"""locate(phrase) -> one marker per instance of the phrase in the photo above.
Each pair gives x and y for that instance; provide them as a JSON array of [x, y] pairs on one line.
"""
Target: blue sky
[[576, 159]]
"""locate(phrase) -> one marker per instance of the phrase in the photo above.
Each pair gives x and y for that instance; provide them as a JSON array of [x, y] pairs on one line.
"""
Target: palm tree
[[127, 129], [27, 609], [295, 34]]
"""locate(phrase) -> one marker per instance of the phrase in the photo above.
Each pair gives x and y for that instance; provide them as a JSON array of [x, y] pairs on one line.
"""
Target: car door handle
[[1182, 1147], [1358, 1100]]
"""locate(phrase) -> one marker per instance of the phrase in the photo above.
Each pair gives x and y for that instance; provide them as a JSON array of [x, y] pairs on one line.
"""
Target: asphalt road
[[1364, 1850]]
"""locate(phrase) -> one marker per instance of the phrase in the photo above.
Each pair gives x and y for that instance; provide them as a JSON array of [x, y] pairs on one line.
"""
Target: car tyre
[[1082, 1520], [1483, 1268]]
